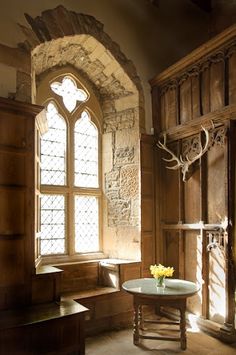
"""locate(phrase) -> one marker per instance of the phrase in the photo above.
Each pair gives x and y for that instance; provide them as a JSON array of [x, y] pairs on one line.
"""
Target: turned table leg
[[183, 339], [136, 323]]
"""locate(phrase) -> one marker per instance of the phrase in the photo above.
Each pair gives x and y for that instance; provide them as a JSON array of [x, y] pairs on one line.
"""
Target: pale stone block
[[119, 120], [106, 58], [112, 180], [90, 44], [97, 52], [128, 243], [111, 68], [127, 102], [129, 181], [124, 156], [107, 156], [109, 240], [118, 212], [127, 137]]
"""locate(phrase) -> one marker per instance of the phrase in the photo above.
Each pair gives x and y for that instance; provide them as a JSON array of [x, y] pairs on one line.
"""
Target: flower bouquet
[[160, 272]]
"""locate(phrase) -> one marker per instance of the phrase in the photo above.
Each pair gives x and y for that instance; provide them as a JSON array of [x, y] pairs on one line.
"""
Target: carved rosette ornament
[[218, 136]]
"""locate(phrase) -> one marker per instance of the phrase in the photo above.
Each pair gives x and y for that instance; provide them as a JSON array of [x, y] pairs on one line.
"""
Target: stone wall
[[117, 87]]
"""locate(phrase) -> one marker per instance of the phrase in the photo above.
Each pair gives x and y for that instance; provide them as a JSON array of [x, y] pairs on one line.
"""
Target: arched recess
[[69, 39]]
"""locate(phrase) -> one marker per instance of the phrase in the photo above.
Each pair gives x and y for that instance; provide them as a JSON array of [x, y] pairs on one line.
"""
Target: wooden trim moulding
[[197, 54], [192, 127], [20, 107]]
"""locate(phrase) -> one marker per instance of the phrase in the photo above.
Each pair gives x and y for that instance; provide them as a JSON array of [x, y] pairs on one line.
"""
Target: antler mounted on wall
[[184, 163]]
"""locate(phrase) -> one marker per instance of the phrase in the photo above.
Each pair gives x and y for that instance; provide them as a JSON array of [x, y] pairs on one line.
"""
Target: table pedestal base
[[179, 304]]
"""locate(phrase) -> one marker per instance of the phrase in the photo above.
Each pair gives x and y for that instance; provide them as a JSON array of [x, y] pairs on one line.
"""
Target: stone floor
[[120, 343]]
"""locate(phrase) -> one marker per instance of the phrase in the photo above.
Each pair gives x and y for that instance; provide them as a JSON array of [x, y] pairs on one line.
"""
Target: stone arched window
[[70, 168], [119, 109]]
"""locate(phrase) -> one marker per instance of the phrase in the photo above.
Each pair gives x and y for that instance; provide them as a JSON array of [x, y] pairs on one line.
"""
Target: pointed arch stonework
[[60, 37]]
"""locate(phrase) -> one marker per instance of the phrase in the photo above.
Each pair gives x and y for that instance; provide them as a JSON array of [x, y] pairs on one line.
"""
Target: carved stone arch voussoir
[[59, 23]]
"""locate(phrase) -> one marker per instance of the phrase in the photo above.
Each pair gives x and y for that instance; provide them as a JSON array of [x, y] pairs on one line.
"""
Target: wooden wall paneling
[[163, 124], [217, 292], [171, 107], [169, 181], [128, 271], [232, 76], [216, 181], [193, 266], [192, 188], [156, 110], [192, 201], [205, 90], [217, 82], [171, 250], [206, 95], [205, 276], [148, 209], [79, 276], [181, 254], [196, 107], [12, 273], [230, 240], [12, 168], [185, 99]]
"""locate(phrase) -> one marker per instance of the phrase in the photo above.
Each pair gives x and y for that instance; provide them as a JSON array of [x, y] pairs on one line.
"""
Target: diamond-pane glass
[[86, 152], [69, 92], [86, 224], [52, 237], [53, 149]]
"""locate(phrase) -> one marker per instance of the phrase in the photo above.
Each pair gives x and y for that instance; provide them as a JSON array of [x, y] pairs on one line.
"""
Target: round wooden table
[[174, 294]]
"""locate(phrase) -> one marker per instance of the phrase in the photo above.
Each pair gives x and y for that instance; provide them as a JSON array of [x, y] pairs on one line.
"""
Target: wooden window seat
[[96, 285]]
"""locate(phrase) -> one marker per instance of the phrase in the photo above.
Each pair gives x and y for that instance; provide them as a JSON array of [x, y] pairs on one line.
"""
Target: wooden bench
[[52, 328]]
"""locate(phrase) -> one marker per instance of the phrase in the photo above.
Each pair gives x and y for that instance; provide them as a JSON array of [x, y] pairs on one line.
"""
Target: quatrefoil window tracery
[[69, 92]]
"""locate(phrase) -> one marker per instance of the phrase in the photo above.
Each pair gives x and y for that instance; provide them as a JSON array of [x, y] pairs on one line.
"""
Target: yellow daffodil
[[160, 271]]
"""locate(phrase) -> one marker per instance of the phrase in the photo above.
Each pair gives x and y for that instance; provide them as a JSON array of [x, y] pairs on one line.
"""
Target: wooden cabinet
[[47, 329], [32, 318], [19, 132]]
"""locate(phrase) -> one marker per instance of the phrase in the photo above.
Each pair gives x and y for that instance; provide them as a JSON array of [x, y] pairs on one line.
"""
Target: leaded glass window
[[70, 187], [52, 224], [86, 224], [53, 149], [86, 152], [69, 92]]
